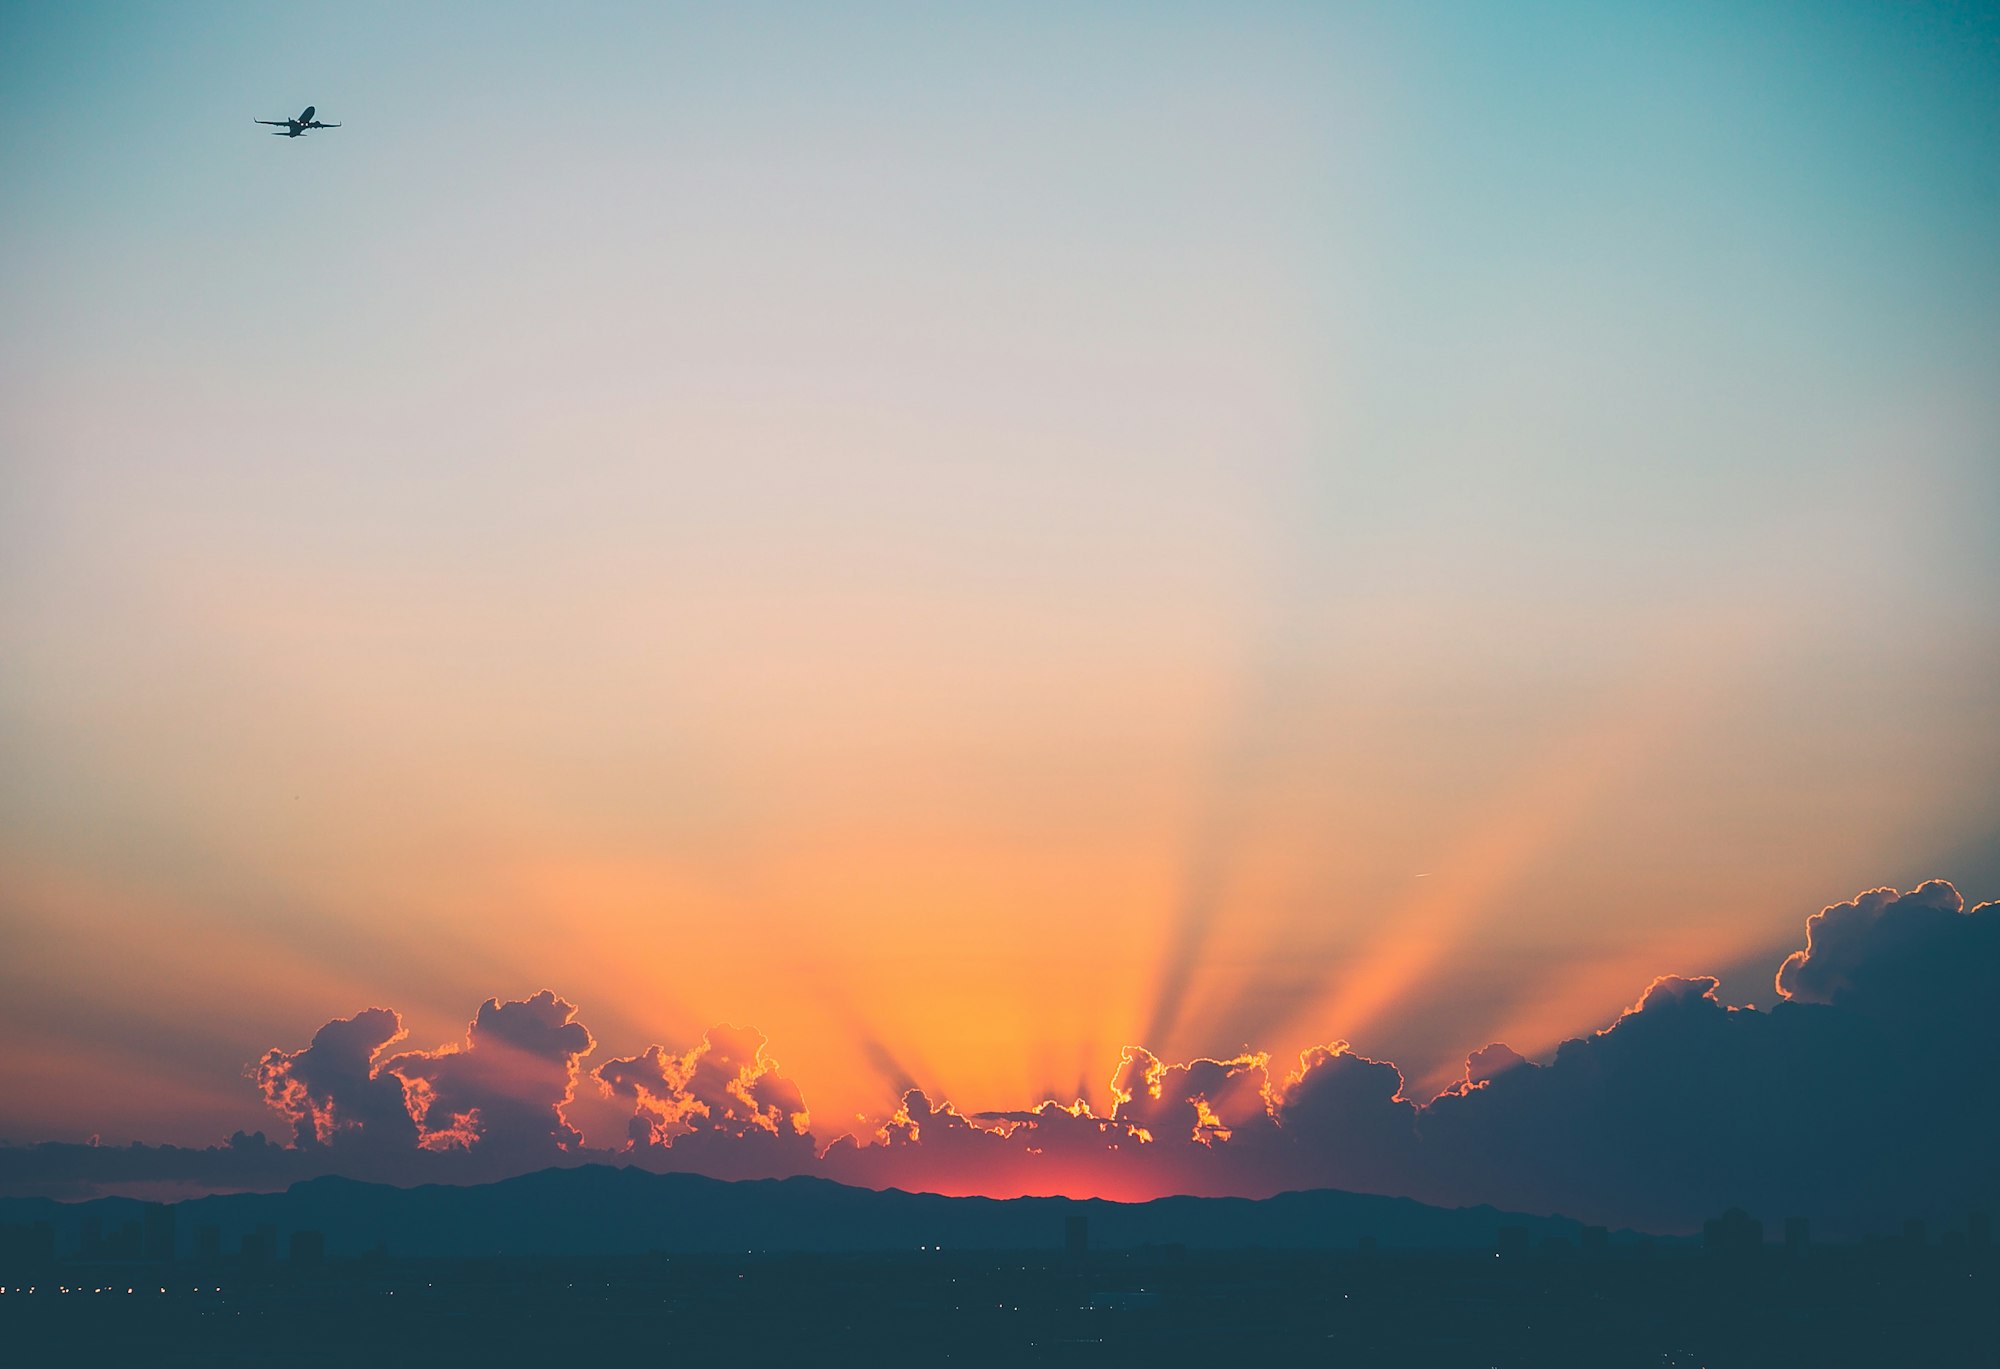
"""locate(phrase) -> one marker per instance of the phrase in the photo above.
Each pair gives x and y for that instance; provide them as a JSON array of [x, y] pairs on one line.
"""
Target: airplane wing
[[279, 123], [317, 124]]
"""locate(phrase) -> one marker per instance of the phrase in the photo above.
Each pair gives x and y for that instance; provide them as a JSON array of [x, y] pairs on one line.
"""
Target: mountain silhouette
[[607, 1210]]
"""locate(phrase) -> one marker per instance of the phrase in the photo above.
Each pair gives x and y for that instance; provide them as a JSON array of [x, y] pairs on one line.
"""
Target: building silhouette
[[127, 1243], [27, 1243], [1734, 1233], [159, 1233], [260, 1247]]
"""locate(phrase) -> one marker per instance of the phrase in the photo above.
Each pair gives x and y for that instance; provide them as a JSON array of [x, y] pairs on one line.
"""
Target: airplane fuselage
[[292, 128]]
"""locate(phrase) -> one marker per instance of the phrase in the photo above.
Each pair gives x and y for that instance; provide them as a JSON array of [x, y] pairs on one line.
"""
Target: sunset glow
[[1119, 591]]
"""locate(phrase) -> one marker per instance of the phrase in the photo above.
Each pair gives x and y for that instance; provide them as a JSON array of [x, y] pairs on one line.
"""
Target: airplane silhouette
[[294, 127]]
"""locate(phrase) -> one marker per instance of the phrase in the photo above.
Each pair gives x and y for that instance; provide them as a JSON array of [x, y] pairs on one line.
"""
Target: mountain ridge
[[591, 1210]]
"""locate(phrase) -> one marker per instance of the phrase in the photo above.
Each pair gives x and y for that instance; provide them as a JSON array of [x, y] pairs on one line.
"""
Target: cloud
[[1491, 1061], [724, 1087], [68, 1171], [506, 1087], [331, 1091], [1671, 992], [1205, 1102], [1204, 1127], [1856, 1110], [1855, 1100], [1046, 1149], [1346, 1123], [1885, 952]]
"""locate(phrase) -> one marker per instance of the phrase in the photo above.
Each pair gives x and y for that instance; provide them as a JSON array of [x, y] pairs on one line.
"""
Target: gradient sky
[[970, 540]]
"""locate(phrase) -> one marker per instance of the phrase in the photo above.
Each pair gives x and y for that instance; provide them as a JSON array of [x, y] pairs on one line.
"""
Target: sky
[[965, 543]]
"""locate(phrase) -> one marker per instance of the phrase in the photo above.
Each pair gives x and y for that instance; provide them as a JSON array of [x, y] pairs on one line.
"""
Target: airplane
[[294, 127]]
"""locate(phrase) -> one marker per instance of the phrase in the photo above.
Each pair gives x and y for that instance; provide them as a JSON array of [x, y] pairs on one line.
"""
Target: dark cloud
[[1489, 1062], [1885, 952], [505, 1088], [1855, 1100], [1638, 1113], [331, 1091], [1344, 1115]]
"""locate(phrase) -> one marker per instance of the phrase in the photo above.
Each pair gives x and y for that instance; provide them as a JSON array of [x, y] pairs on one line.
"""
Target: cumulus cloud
[[1344, 1115], [1206, 1102], [1671, 992], [506, 1087], [726, 1087], [1885, 952], [1491, 1061], [1855, 1098], [331, 1092], [1203, 1127]]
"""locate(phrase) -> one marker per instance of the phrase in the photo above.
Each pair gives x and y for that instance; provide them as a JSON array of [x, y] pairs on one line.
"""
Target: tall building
[[159, 1224], [260, 1247], [1735, 1232], [28, 1243], [127, 1243]]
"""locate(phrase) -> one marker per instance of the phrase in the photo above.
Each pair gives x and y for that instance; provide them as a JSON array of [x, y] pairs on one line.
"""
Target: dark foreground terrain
[[1878, 1304]]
